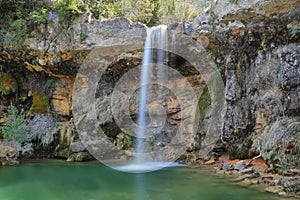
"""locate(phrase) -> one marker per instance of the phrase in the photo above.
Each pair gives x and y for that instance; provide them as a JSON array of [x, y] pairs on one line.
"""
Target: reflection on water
[[92, 181]]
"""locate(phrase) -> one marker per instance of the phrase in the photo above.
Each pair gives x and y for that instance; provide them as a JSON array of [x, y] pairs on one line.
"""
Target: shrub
[[39, 16], [67, 8], [16, 127], [295, 30]]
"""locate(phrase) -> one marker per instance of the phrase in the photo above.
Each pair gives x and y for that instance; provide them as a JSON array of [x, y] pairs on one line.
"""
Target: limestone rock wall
[[39, 77], [258, 55]]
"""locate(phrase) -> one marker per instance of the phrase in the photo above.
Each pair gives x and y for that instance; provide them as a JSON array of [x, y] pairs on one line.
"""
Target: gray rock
[[77, 147], [290, 60], [248, 176], [249, 10], [9, 152], [226, 166], [241, 165], [282, 193], [273, 82], [86, 36], [291, 184], [80, 157], [279, 143], [273, 189], [247, 171]]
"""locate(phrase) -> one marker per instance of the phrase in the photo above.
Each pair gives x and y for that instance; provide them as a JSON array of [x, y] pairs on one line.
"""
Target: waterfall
[[156, 38], [152, 104], [173, 41]]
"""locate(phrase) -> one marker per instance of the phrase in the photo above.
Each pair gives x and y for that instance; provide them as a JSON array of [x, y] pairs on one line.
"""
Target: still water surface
[[93, 181]]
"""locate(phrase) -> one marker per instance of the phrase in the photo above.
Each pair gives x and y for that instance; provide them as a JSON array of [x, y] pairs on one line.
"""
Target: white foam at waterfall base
[[146, 166]]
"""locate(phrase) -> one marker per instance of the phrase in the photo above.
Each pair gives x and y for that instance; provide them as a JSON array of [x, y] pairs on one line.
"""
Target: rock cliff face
[[259, 56], [39, 77], [255, 45], [109, 108]]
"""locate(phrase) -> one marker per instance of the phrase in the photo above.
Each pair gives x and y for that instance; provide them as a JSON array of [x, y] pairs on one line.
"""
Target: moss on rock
[[40, 104], [8, 84], [204, 102]]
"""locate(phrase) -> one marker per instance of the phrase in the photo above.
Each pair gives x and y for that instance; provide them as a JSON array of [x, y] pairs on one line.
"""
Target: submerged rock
[[273, 189]]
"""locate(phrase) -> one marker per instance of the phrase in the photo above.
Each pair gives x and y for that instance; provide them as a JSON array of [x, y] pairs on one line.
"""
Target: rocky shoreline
[[256, 173]]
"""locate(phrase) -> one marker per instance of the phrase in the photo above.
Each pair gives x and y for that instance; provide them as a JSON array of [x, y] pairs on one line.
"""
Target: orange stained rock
[[259, 164]]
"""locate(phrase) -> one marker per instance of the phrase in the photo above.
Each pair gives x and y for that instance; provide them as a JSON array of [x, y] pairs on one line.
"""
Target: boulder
[[279, 143], [9, 152], [80, 157]]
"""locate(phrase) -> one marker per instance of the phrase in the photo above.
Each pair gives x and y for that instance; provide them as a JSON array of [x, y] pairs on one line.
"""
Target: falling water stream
[[157, 36], [153, 72]]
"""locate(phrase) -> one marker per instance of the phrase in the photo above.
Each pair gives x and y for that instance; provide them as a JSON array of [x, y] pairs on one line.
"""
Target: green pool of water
[[93, 181]]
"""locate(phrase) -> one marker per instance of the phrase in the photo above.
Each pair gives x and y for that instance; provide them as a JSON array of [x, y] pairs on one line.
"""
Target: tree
[[138, 10], [155, 12], [67, 8]]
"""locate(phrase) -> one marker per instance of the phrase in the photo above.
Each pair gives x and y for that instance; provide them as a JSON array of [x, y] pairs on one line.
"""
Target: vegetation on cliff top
[[20, 19]]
